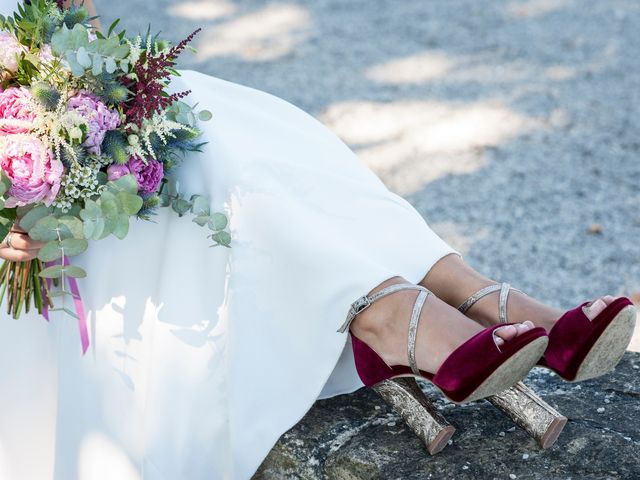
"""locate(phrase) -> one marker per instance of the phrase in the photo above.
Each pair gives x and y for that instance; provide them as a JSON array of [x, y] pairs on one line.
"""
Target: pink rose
[[34, 172], [16, 111], [115, 171], [99, 118], [148, 175], [10, 48]]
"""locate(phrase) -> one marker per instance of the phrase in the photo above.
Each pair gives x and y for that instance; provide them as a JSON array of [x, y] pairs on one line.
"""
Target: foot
[[521, 308], [385, 324]]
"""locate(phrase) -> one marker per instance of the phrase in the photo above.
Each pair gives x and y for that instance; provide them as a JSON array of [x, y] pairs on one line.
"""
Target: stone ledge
[[358, 436]]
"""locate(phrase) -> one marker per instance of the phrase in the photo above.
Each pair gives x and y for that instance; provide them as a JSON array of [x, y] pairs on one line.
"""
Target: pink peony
[[99, 118], [116, 171], [34, 172], [10, 48], [16, 111], [148, 175]]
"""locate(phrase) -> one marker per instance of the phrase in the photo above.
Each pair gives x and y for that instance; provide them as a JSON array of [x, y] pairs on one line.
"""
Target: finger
[[14, 255], [22, 241]]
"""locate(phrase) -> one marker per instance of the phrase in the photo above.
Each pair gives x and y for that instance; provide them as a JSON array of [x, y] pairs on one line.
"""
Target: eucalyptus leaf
[[202, 220], [32, 216], [52, 272], [180, 206], [74, 271], [200, 205], [205, 115], [98, 228], [73, 224], [222, 238], [109, 204], [45, 229], [218, 221], [74, 246], [122, 227], [50, 251], [126, 183], [110, 65], [83, 58], [130, 203]]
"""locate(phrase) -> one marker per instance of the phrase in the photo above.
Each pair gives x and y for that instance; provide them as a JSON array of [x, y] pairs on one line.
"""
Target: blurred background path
[[512, 126]]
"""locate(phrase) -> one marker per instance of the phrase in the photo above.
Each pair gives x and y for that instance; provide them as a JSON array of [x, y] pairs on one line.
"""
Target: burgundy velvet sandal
[[477, 369], [579, 348]]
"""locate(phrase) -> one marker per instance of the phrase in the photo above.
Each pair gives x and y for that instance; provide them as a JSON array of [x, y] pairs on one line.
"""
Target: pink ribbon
[[77, 300]]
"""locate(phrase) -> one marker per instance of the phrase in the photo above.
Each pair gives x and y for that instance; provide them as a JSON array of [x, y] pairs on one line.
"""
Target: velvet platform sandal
[[579, 348]]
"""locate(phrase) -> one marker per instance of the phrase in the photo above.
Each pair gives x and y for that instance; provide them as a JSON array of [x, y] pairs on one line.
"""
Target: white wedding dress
[[201, 357]]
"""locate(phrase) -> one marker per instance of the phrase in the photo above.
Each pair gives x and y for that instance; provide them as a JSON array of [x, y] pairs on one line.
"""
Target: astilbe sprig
[[151, 75]]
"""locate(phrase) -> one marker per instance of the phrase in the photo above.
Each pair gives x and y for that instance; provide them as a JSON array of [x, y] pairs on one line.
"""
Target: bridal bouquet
[[89, 137]]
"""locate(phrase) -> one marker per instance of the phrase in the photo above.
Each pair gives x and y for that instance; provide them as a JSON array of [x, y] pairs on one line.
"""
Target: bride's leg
[[453, 280]]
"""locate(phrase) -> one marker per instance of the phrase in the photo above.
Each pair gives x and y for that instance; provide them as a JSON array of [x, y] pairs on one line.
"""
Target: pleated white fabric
[[202, 357]]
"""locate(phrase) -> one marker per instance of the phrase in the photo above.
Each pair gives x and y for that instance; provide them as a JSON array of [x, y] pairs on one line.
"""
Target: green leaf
[[218, 221], [98, 228], [205, 115], [202, 220], [126, 183], [50, 251], [91, 210], [74, 246], [109, 204], [122, 227], [52, 272], [83, 57], [73, 224], [32, 216], [45, 229], [200, 205], [130, 203], [74, 271], [222, 238], [180, 206], [5, 183]]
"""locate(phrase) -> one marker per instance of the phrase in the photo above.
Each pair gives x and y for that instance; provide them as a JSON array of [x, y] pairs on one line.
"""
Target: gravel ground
[[512, 126]]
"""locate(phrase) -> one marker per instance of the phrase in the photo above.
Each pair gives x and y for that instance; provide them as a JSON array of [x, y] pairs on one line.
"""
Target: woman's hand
[[18, 246]]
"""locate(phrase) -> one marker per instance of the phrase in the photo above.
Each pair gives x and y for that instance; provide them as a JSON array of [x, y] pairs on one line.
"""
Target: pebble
[[525, 456], [512, 476], [600, 410]]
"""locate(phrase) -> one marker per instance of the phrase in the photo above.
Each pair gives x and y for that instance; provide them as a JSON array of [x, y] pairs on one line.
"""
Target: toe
[[596, 307], [507, 332]]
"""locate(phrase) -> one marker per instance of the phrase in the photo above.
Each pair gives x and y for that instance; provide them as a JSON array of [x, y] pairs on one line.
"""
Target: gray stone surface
[[358, 436]]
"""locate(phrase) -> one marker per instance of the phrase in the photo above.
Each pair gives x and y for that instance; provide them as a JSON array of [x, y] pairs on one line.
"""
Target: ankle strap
[[365, 301], [504, 288]]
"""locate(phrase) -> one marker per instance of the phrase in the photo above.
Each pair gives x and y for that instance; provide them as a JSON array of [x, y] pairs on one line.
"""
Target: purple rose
[[149, 175], [98, 117], [116, 171]]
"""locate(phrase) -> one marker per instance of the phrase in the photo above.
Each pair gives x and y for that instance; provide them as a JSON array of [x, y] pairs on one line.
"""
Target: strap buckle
[[360, 304], [356, 307]]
